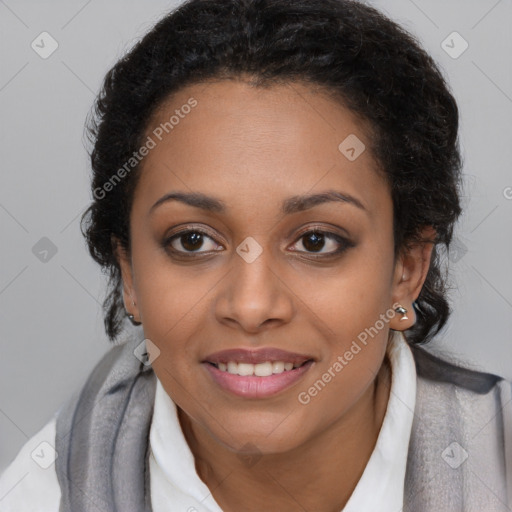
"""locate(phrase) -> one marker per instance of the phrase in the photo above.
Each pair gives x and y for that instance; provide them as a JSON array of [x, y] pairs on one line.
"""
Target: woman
[[273, 183]]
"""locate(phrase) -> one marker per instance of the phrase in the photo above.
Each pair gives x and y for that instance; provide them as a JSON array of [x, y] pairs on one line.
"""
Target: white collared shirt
[[25, 486]]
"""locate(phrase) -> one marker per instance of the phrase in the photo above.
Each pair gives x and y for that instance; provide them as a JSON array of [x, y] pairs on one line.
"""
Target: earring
[[402, 311], [132, 319]]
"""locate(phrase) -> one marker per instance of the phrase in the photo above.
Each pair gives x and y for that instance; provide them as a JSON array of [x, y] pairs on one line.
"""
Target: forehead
[[252, 145]]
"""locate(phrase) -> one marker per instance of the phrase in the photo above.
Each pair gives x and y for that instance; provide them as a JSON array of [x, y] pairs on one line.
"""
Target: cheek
[[357, 309], [355, 296], [169, 299], [353, 354]]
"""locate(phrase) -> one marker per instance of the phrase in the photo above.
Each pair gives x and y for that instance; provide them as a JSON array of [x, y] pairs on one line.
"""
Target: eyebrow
[[291, 205]]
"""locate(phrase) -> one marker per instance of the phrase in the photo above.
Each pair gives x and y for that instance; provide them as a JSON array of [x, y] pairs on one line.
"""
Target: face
[[264, 275]]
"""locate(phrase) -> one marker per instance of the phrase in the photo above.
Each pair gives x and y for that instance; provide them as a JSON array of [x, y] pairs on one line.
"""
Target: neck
[[319, 475]]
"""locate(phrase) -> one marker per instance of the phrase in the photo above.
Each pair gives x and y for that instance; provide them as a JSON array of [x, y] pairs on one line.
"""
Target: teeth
[[278, 367], [260, 370], [245, 369]]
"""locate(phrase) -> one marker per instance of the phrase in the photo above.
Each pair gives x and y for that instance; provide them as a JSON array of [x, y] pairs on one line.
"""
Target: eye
[[191, 241], [315, 241]]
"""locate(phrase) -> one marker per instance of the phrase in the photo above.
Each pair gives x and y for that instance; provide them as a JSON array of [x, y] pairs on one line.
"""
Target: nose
[[254, 295]]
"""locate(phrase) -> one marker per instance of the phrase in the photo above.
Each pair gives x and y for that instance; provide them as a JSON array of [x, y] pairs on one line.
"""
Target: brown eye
[[315, 241], [191, 241]]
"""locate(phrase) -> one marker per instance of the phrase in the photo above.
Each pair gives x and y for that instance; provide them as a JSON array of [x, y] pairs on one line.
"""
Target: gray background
[[50, 311]]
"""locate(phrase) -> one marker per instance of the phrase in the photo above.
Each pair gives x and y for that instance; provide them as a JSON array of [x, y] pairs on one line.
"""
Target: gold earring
[[402, 311]]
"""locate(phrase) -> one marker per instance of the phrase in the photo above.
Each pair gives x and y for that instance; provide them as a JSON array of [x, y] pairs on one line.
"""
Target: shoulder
[[471, 397], [462, 429], [30, 482], [433, 368]]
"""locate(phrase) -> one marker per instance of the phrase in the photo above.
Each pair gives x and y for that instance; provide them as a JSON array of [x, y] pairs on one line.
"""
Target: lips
[[256, 356], [256, 373]]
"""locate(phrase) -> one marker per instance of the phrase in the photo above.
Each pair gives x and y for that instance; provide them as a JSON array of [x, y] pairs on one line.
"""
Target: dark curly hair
[[369, 63]]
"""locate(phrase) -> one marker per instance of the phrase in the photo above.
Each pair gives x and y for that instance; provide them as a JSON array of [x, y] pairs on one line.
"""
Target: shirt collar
[[381, 487]]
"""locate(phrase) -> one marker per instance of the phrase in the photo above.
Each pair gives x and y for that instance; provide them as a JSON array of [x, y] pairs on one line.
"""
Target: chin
[[260, 433]]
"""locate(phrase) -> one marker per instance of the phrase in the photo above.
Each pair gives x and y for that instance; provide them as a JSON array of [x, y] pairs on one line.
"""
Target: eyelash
[[342, 241]]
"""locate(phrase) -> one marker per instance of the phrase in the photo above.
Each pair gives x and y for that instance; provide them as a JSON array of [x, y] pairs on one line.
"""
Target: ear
[[411, 270], [125, 264]]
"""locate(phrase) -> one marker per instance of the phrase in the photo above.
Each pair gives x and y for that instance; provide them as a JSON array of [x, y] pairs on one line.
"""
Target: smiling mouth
[[257, 373], [264, 369], [257, 380]]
